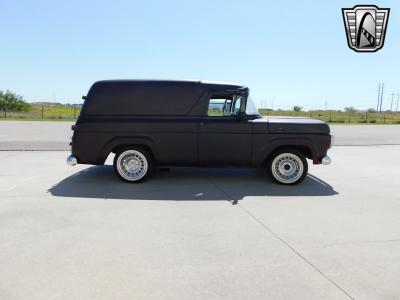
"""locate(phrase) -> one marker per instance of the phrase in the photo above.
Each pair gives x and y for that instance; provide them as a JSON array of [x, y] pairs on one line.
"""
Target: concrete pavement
[[200, 233], [35, 135]]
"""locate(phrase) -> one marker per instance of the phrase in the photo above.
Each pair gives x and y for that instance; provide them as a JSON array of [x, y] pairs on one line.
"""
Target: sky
[[287, 52]]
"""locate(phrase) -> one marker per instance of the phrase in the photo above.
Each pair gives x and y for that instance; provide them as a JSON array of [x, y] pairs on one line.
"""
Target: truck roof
[[150, 97], [172, 82]]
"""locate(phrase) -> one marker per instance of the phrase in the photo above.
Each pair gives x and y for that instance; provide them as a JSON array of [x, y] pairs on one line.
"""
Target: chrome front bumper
[[71, 160], [326, 160]]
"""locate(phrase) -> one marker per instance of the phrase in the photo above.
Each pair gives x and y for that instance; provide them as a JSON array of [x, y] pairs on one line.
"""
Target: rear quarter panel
[[170, 139]]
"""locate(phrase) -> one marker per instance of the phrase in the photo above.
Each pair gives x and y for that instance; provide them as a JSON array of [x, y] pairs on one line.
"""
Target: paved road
[[194, 234], [366, 134], [79, 233], [36, 135]]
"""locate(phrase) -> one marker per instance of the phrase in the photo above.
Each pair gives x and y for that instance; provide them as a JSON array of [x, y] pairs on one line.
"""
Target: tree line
[[10, 101]]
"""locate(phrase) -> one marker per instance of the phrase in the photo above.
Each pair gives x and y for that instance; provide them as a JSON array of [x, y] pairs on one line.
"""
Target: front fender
[[262, 149]]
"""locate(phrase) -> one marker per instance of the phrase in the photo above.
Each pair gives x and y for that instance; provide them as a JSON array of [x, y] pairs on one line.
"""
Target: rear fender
[[127, 140]]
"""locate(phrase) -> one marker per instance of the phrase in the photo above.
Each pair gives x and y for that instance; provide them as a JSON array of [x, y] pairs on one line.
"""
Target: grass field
[[59, 112], [49, 112], [333, 116], [341, 117]]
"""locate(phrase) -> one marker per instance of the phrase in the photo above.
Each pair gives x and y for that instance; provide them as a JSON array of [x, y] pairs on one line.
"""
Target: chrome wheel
[[287, 168], [132, 165]]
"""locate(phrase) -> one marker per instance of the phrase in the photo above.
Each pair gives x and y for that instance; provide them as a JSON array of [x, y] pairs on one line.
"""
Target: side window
[[223, 106], [219, 107], [236, 108]]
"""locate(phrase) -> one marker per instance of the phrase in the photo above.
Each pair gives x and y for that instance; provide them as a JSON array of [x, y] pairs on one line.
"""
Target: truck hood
[[278, 124]]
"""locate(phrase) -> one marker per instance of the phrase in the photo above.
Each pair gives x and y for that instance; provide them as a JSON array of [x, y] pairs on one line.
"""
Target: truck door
[[225, 138]]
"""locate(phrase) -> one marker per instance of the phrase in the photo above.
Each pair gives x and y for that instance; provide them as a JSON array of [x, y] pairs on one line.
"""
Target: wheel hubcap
[[287, 167], [132, 165]]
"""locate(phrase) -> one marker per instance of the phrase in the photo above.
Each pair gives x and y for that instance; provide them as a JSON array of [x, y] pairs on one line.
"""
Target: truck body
[[188, 123]]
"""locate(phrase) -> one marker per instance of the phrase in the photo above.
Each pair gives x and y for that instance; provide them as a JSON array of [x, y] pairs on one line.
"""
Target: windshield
[[251, 108]]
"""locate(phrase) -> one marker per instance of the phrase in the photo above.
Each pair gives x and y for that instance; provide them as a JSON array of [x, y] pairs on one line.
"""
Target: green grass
[[56, 112], [60, 112], [340, 117]]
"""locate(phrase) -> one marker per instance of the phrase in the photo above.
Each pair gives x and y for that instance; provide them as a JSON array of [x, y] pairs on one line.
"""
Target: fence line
[[57, 112], [332, 116], [43, 112]]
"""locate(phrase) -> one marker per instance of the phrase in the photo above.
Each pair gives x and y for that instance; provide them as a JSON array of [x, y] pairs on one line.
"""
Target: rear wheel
[[288, 166], [133, 164]]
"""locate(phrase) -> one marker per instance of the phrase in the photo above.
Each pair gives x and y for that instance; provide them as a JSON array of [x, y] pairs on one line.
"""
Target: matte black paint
[[169, 118]]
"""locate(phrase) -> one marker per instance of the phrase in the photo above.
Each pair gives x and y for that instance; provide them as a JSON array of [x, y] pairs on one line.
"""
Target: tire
[[288, 166], [133, 164]]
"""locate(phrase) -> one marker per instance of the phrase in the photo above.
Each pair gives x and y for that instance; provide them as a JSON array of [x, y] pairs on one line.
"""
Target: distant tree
[[12, 102], [350, 109], [2, 103], [297, 108], [371, 110]]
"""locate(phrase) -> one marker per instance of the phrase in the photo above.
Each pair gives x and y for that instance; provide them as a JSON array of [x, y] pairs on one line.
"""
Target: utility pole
[[326, 104], [391, 103], [380, 106], [397, 105], [379, 93]]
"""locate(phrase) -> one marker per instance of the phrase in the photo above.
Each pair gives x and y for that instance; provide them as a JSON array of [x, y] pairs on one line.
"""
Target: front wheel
[[133, 164], [288, 166]]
